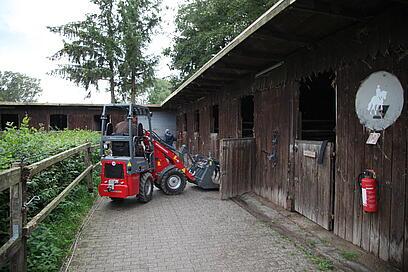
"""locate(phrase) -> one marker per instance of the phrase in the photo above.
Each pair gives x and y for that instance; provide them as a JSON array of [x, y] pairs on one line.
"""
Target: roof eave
[[263, 19]]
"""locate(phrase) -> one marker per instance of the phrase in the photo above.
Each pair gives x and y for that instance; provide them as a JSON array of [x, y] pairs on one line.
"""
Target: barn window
[[97, 122], [317, 106], [247, 116], [185, 122], [214, 119], [58, 121], [9, 118], [196, 121]]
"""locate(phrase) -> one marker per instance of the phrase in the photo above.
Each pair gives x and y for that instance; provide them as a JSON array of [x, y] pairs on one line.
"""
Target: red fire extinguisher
[[368, 185]]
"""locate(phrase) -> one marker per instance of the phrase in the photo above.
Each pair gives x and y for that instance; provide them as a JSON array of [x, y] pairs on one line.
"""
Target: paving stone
[[194, 231]]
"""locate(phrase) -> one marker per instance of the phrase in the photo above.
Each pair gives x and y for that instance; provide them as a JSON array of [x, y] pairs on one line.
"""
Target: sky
[[25, 43]]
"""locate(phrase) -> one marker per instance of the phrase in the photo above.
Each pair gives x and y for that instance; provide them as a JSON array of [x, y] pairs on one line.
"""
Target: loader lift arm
[[166, 157], [204, 171]]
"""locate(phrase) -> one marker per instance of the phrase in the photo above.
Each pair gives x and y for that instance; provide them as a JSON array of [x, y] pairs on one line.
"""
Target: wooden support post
[[87, 160], [18, 194]]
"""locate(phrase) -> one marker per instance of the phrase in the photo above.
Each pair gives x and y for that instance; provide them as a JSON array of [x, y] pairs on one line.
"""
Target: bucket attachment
[[206, 172]]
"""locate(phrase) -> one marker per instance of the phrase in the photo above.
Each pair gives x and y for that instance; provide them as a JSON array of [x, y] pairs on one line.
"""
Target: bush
[[50, 243]]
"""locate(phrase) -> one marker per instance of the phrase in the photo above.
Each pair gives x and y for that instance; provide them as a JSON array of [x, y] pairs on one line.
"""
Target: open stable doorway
[[9, 120], [317, 107], [58, 121], [314, 149], [247, 116]]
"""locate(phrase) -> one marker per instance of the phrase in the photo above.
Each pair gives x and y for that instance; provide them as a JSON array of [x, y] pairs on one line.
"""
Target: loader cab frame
[[127, 142]]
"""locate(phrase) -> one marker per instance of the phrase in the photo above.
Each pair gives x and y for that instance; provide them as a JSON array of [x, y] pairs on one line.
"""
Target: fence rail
[[15, 179]]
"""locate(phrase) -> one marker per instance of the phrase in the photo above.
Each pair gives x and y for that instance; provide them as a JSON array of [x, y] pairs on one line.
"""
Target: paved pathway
[[194, 231]]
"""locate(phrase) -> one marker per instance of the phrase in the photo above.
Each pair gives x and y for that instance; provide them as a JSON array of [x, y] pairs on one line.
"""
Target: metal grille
[[114, 171]]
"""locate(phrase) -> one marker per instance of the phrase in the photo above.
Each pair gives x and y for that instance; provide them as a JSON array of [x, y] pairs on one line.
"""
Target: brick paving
[[194, 231]]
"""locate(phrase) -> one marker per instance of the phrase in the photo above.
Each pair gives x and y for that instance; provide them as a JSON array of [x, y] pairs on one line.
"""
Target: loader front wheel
[[173, 182], [145, 188], [158, 185]]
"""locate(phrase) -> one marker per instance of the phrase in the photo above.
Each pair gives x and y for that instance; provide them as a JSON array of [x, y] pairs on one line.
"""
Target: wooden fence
[[237, 160], [15, 179]]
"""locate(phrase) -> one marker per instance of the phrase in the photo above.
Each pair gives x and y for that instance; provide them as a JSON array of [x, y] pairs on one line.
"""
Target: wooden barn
[[72, 116], [278, 106]]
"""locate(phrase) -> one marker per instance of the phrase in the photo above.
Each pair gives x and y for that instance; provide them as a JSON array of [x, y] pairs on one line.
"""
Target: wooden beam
[[198, 91], [236, 71], [9, 178], [212, 82], [255, 55], [18, 261], [210, 75], [8, 250], [87, 162], [197, 88], [220, 75], [237, 66], [326, 12], [37, 167], [32, 225], [294, 38]]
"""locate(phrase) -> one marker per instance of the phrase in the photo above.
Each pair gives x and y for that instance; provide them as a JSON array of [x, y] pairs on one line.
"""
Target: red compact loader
[[134, 161]]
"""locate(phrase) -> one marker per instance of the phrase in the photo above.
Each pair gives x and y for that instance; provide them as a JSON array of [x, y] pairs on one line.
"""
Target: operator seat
[[109, 129], [139, 148]]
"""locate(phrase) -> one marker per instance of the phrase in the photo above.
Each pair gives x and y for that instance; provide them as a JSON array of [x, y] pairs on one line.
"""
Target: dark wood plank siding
[[314, 182], [237, 166], [382, 233], [352, 54], [272, 119]]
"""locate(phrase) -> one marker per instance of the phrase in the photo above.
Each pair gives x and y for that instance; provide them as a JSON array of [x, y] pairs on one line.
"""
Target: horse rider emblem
[[376, 105]]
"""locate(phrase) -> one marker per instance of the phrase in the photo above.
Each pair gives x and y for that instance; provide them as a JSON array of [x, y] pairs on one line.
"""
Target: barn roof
[[286, 28]]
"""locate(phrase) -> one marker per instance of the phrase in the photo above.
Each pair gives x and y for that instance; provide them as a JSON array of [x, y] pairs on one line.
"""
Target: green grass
[[349, 255], [322, 263]]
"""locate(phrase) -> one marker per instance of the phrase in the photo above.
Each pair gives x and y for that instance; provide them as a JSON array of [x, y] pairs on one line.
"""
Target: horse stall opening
[[314, 148]]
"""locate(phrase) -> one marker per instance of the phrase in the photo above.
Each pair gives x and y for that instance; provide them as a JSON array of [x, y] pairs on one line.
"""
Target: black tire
[[116, 199], [145, 188], [173, 182], [158, 185]]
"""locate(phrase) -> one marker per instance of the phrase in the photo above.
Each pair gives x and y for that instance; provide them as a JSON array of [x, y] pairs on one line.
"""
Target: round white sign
[[379, 100]]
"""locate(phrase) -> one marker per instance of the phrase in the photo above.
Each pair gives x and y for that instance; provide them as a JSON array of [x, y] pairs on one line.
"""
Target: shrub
[[50, 243]]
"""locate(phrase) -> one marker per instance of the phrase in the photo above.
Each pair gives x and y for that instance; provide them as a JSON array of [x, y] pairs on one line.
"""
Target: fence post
[[87, 160], [18, 216]]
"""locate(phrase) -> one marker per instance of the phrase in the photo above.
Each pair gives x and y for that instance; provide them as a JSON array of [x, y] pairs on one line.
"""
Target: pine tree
[[138, 21]]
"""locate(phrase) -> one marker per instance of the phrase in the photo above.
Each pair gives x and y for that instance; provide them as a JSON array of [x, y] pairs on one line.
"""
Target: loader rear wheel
[[145, 188], [173, 182]]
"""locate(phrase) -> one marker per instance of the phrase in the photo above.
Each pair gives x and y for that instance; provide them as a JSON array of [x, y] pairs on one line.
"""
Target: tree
[[138, 20], [17, 87], [90, 48], [204, 27], [161, 90], [109, 45], [85, 55]]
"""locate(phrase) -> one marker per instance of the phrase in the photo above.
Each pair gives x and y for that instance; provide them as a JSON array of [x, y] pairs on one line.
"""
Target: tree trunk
[[112, 90], [133, 90], [112, 83]]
